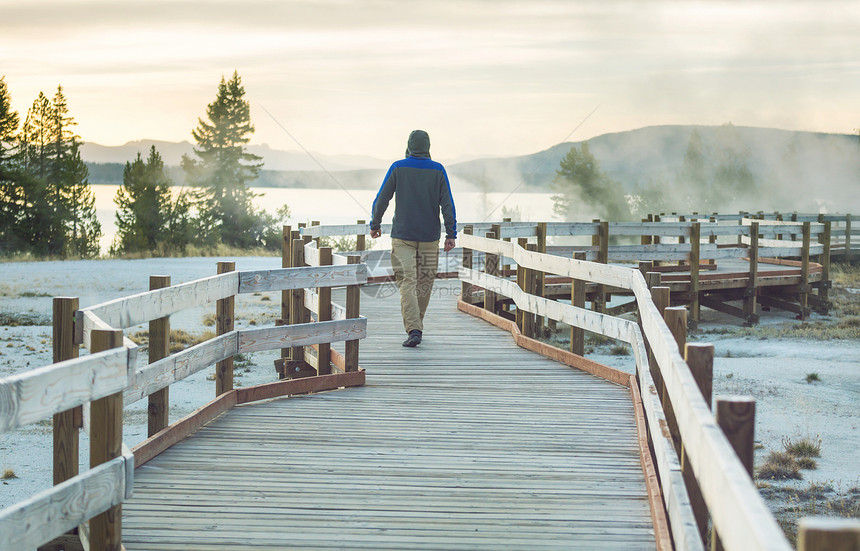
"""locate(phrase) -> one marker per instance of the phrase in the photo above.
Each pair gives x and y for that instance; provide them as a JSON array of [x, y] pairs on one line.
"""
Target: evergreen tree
[[579, 181], [10, 200], [58, 207], [732, 176], [224, 170], [146, 214]]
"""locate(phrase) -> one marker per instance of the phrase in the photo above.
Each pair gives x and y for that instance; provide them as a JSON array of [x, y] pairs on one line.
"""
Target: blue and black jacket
[[421, 189]]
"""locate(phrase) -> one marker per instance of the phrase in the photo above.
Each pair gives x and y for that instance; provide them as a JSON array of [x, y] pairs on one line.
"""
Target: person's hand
[[449, 244], [375, 233]]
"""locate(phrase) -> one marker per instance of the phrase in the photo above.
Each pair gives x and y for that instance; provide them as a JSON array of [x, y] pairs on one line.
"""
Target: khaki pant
[[415, 264]]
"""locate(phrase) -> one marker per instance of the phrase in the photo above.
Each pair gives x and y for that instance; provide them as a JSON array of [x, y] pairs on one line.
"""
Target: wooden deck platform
[[467, 442]]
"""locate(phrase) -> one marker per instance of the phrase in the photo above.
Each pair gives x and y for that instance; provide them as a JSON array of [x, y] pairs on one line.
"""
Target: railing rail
[[113, 375]]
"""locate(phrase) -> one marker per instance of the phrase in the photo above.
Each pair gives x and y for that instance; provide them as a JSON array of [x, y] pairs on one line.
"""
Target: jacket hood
[[418, 144]]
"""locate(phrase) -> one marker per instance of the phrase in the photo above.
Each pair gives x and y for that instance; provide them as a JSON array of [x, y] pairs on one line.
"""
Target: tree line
[[47, 207]]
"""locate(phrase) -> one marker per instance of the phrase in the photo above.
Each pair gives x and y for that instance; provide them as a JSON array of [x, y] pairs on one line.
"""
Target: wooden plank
[[595, 322], [159, 348], [52, 512], [311, 299], [178, 431], [577, 299], [33, 395], [682, 521], [324, 308], [142, 307], [106, 445], [351, 311], [301, 277], [225, 316], [335, 230], [556, 354], [828, 534], [176, 367], [304, 385], [303, 334], [65, 423], [662, 536], [312, 254], [736, 508]]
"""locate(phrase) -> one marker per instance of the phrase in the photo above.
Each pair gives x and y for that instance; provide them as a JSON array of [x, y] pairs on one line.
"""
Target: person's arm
[[449, 213], [380, 204]]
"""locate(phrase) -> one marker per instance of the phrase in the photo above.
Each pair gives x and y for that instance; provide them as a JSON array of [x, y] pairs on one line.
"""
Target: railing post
[[824, 286], [353, 310], [360, 238], [828, 534], [285, 300], [324, 314], [695, 250], [106, 444], [540, 277], [712, 238], [847, 253], [752, 284], [577, 298], [700, 360], [660, 296], [530, 283], [804, 272], [159, 347], [645, 239], [676, 319], [603, 258], [224, 322], [295, 367], [523, 243], [465, 289], [66, 423], [491, 267], [736, 416]]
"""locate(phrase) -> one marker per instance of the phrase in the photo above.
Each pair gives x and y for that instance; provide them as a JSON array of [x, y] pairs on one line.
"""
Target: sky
[[483, 77]]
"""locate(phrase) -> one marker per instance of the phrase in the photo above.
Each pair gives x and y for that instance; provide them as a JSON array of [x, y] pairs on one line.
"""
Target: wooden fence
[[90, 391], [703, 463]]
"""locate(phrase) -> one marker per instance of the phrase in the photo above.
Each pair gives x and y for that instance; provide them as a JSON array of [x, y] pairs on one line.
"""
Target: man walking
[[420, 189]]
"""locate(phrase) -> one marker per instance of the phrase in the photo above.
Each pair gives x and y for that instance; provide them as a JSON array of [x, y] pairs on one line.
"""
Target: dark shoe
[[414, 339]]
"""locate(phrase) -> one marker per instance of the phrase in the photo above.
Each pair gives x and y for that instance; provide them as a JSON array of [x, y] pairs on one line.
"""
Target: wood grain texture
[[426, 455], [303, 334], [52, 512], [65, 423], [140, 308], [159, 348], [828, 534], [33, 395]]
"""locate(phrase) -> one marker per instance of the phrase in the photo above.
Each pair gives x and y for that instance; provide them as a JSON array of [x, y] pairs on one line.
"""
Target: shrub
[[803, 447], [780, 466]]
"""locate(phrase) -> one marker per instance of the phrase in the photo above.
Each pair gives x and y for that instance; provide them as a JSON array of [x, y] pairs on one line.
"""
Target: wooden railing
[[91, 391], [700, 474]]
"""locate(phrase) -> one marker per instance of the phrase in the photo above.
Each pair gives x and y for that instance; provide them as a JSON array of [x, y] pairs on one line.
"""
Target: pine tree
[[10, 196], [146, 215], [224, 169], [579, 181]]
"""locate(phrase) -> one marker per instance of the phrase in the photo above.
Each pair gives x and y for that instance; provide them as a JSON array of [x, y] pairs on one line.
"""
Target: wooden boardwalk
[[467, 442]]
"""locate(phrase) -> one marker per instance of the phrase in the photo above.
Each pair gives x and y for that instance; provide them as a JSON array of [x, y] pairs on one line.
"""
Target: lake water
[[338, 206]]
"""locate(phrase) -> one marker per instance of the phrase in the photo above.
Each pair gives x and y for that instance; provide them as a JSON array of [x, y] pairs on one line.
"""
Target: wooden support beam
[[603, 258], [66, 423], [695, 246], [781, 303], [540, 277], [676, 319], [736, 417], [847, 254], [700, 359], [719, 306], [224, 322], [522, 242], [824, 260], [159, 347], [285, 295], [360, 238], [324, 314], [297, 307], [828, 534], [752, 286], [804, 271], [529, 283], [106, 444], [577, 298], [353, 310], [465, 290], [491, 267]]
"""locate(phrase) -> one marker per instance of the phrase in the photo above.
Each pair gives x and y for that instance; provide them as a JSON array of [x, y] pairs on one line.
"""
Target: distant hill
[[790, 169]]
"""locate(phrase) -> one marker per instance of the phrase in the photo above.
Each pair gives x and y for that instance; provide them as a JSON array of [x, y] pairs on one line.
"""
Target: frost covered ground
[[773, 370]]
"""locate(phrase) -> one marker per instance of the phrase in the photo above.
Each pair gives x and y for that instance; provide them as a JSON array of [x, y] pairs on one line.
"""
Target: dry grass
[[802, 447], [780, 466], [815, 500], [179, 339], [22, 319], [8, 474], [619, 350]]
